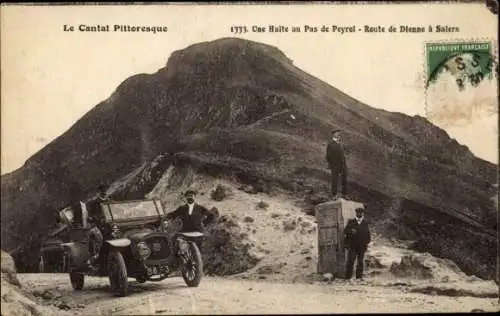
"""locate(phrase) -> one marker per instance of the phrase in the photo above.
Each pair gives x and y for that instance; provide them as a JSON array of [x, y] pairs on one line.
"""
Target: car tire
[[77, 280], [141, 279], [118, 278], [192, 269]]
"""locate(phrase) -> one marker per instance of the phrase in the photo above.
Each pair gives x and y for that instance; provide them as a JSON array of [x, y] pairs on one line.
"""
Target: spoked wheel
[[192, 265], [77, 280], [117, 273]]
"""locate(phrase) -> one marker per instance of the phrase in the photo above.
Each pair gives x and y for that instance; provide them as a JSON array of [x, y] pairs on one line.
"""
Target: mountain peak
[[224, 54], [230, 47]]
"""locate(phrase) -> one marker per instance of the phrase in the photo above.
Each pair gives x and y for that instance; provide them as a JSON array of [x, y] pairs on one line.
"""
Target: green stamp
[[460, 81], [468, 62]]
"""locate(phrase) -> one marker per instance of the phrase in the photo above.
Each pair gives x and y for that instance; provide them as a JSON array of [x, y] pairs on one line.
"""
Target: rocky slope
[[15, 299], [241, 109]]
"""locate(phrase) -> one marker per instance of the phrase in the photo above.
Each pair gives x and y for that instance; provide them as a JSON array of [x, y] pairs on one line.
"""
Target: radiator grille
[[159, 246]]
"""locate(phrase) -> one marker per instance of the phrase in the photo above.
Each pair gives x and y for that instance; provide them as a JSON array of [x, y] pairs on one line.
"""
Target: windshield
[[131, 210]]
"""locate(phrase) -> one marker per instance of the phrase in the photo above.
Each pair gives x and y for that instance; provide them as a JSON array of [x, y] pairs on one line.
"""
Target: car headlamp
[[143, 250], [115, 231]]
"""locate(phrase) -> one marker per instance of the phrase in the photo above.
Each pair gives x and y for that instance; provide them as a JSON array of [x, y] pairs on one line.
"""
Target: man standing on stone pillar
[[337, 165]]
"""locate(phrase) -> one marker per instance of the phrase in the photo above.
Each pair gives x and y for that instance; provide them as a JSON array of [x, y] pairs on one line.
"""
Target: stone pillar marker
[[332, 216]]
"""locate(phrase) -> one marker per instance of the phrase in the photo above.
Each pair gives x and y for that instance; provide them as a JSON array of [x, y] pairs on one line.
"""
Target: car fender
[[119, 243], [182, 244], [191, 234]]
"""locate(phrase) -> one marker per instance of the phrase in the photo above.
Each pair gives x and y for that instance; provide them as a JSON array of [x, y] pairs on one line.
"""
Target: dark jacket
[[357, 235], [335, 157], [193, 222], [94, 205], [94, 209]]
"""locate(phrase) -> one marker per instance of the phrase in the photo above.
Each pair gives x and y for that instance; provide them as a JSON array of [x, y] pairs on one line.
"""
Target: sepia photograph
[[275, 158]]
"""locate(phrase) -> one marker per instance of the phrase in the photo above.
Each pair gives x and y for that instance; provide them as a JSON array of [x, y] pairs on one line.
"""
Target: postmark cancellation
[[461, 80]]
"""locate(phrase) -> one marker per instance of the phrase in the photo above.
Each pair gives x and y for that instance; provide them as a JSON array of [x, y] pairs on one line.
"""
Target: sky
[[50, 77]]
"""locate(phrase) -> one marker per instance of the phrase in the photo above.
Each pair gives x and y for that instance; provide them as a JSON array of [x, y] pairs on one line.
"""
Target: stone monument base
[[332, 216]]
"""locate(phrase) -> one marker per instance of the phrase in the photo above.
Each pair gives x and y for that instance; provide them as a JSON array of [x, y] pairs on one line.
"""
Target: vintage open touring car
[[136, 245]]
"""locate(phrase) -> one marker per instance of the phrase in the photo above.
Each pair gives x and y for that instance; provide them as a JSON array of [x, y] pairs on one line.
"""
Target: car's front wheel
[[117, 273], [77, 280], [192, 265]]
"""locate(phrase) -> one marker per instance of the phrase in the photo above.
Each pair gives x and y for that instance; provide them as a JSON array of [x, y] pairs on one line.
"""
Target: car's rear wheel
[[192, 265], [117, 273], [77, 280], [141, 279]]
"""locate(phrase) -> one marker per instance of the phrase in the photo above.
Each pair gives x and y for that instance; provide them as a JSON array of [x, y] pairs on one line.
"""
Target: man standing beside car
[[192, 216], [95, 234]]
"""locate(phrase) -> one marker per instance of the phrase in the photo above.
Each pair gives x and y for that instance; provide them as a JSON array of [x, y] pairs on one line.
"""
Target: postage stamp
[[459, 78]]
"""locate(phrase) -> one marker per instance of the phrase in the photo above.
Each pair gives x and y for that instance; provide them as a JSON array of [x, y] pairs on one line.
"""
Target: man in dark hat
[[337, 165], [356, 239], [94, 204], [95, 223], [192, 215]]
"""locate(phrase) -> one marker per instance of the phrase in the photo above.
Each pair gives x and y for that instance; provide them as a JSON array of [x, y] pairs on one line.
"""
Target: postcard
[[249, 158]]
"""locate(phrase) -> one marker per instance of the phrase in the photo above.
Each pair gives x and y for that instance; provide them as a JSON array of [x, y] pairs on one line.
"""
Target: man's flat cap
[[189, 192], [336, 131]]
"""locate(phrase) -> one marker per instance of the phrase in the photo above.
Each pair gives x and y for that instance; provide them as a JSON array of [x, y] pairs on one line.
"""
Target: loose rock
[[262, 205], [250, 189], [289, 225], [327, 277], [220, 193], [411, 266], [373, 262], [248, 219]]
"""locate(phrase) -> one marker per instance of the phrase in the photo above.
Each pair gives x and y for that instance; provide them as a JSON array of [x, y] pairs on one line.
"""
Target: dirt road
[[222, 296]]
